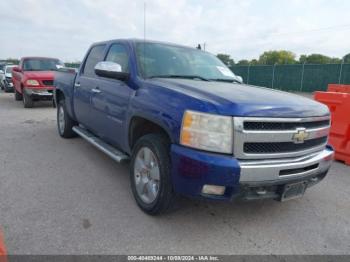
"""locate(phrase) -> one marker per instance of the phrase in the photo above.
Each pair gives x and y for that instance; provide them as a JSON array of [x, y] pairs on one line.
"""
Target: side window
[[117, 54], [95, 56]]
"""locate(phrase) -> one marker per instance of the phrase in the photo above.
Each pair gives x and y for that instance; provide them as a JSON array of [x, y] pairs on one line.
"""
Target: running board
[[99, 144]]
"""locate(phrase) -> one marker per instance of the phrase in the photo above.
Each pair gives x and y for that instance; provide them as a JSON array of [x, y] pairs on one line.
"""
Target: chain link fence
[[295, 78]]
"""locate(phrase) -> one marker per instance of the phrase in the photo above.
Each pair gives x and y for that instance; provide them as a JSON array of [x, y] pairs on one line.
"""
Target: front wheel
[[64, 122], [150, 174], [27, 100]]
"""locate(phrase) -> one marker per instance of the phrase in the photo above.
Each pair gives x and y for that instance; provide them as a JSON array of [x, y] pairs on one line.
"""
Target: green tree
[[277, 57], [243, 62], [254, 62], [347, 59], [226, 59], [318, 59], [335, 60], [12, 61], [302, 59]]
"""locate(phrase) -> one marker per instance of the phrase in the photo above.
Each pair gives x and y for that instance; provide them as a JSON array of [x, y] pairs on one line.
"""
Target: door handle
[[96, 90], [77, 84]]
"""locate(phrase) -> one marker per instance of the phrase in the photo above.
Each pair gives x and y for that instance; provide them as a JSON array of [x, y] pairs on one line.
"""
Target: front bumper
[[192, 169], [8, 86], [39, 93]]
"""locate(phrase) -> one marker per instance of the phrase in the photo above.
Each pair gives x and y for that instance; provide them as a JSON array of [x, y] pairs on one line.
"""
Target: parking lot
[[65, 197]]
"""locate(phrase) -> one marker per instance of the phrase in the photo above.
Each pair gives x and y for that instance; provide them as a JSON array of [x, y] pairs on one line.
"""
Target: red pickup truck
[[33, 79]]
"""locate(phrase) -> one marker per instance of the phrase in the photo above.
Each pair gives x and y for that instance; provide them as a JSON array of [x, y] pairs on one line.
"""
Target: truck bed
[[65, 77]]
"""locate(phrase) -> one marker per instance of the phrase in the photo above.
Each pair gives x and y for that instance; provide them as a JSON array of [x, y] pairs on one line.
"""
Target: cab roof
[[137, 40]]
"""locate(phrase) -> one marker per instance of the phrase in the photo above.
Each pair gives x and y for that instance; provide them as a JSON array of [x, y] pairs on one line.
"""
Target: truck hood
[[246, 100], [39, 74]]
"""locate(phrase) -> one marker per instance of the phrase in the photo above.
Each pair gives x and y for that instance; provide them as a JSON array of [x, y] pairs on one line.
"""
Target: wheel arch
[[141, 125]]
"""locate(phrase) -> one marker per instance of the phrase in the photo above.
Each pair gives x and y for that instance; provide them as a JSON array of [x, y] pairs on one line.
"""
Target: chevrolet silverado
[[190, 127]]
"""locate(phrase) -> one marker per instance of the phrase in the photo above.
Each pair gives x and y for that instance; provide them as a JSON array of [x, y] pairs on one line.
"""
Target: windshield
[[157, 60], [41, 64], [9, 69]]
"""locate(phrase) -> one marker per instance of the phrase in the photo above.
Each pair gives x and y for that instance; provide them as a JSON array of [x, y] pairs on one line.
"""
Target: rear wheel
[[27, 100], [64, 122], [150, 174], [18, 96]]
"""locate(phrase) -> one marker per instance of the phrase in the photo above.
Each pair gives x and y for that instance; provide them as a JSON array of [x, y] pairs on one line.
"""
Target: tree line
[[283, 57]]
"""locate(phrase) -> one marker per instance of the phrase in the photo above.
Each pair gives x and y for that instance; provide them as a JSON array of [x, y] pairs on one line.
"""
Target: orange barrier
[[3, 252], [339, 105], [338, 88]]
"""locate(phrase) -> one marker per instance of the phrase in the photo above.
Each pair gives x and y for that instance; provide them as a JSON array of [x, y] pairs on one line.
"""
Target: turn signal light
[[213, 190]]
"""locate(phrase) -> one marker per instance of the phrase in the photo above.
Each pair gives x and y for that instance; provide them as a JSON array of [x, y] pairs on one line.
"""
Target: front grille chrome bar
[[308, 135]]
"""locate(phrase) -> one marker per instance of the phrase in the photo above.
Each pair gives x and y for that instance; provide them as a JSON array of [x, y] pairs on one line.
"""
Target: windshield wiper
[[225, 80], [180, 76]]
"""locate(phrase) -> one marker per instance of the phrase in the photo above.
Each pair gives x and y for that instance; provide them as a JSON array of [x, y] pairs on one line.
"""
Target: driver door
[[111, 98]]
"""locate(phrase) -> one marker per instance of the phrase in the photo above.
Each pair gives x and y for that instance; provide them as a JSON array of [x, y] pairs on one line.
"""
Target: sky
[[241, 28]]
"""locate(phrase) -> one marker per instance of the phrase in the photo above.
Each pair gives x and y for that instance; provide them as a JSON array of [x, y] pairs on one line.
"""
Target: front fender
[[164, 107]]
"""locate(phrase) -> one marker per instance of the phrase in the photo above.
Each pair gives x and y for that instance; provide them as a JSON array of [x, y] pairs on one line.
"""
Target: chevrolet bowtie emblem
[[300, 136]]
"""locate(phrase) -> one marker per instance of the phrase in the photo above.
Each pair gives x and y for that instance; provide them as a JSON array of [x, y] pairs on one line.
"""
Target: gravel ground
[[65, 197]]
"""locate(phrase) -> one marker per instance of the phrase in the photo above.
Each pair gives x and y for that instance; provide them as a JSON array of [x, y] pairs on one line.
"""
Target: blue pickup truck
[[189, 126]]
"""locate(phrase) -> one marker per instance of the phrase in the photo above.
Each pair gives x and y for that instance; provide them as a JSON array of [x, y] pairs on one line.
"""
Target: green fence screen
[[72, 65], [297, 78]]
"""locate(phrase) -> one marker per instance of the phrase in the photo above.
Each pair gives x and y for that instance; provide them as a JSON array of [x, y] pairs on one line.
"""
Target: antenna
[[144, 39], [144, 21]]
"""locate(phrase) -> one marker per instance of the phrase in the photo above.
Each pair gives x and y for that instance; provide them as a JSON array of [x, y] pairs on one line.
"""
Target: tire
[[27, 100], [64, 122], [18, 96], [155, 196], [8, 90]]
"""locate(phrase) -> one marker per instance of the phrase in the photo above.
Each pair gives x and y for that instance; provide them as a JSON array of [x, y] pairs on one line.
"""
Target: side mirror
[[239, 79], [16, 69], [111, 70]]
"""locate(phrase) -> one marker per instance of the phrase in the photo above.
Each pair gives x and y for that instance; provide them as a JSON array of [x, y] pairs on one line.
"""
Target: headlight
[[207, 132], [32, 82]]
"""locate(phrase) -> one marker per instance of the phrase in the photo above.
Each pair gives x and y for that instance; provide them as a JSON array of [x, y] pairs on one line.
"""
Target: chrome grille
[[282, 147], [250, 125], [261, 138]]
